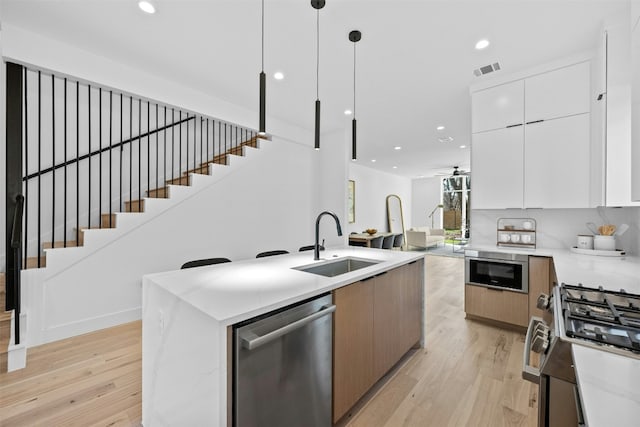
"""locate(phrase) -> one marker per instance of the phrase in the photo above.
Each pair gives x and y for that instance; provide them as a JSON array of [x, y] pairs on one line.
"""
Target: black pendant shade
[[263, 87], [317, 4], [355, 37], [263, 101]]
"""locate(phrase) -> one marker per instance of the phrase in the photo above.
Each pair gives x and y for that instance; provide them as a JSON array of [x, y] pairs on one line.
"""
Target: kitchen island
[[187, 316]]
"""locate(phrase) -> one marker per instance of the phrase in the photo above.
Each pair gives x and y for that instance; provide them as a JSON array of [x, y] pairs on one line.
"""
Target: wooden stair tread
[[32, 262], [60, 244], [183, 180], [159, 193], [134, 206]]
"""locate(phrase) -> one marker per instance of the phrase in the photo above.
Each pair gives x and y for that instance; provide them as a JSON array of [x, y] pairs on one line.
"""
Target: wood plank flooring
[[469, 374]]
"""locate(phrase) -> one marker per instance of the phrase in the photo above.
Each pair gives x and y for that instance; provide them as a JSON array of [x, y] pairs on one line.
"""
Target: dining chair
[[309, 248], [387, 242], [376, 242], [398, 240], [272, 253], [203, 262]]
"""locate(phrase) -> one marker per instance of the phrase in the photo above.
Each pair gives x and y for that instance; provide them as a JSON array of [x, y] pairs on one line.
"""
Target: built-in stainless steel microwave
[[497, 270]]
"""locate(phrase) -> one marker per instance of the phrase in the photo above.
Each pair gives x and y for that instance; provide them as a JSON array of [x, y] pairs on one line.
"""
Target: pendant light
[[263, 84], [317, 4], [355, 37]]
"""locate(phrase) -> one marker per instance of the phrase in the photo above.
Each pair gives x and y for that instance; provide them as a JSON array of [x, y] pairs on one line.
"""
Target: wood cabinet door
[[558, 93], [497, 164], [539, 275], [556, 166], [497, 107], [353, 372], [397, 314], [503, 306]]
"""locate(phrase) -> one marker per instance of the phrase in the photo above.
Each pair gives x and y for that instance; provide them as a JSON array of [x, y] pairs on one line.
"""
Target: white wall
[[558, 228], [371, 191], [242, 214], [426, 194]]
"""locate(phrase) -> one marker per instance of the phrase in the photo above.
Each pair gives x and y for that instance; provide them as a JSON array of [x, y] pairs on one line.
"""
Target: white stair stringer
[[98, 285]]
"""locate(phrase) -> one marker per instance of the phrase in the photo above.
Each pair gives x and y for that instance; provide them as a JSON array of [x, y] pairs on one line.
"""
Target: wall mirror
[[394, 214]]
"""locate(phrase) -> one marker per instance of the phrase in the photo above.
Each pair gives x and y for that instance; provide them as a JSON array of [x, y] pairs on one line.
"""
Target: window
[[456, 192]]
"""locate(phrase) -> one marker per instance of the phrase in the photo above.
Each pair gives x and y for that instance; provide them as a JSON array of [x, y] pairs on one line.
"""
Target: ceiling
[[415, 61]]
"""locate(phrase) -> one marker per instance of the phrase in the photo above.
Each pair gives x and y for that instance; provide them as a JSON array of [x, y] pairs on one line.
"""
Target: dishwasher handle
[[530, 373], [255, 341]]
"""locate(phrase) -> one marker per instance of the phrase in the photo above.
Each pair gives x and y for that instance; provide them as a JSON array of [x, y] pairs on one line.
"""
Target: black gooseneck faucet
[[316, 247]]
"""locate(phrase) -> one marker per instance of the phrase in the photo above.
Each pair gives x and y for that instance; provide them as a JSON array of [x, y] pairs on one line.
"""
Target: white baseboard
[[59, 332]]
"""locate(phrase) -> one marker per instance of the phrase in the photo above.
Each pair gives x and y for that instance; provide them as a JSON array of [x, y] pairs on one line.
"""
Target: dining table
[[364, 239]]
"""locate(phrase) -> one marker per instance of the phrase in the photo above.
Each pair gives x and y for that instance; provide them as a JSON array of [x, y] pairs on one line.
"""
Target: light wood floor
[[469, 374]]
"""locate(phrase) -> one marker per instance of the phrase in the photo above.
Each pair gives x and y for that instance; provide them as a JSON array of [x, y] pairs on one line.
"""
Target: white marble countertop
[[608, 382], [239, 290]]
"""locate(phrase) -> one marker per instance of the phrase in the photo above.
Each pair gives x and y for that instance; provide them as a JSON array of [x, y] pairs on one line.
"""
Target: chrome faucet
[[316, 247]]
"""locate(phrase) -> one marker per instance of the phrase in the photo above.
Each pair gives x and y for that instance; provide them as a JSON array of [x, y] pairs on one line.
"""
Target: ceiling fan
[[456, 172]]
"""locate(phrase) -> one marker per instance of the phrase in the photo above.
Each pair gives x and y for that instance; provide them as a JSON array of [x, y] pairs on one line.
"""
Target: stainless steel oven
[[497, 270]]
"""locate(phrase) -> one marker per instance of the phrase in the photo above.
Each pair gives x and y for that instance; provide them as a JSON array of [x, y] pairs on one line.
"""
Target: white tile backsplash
[[558, 228]]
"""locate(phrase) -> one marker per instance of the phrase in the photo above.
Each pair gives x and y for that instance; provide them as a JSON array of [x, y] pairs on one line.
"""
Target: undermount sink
[[337, 267]]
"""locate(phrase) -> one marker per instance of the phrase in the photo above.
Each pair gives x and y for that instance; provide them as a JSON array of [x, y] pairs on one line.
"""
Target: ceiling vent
[[486, 69]]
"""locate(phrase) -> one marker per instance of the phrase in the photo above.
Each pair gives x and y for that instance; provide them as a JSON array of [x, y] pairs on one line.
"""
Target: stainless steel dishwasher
[[282, 367]]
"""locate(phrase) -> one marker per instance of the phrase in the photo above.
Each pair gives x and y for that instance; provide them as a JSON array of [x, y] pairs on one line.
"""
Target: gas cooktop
[[607, 318]]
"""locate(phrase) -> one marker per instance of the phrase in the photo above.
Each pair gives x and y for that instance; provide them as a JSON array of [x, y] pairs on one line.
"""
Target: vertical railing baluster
[[110, 156], [100, 157], [26, 169], [148, 154], [89, 151], [208, 158], [180, 146], [156, 132], [225, 139], [38, 248], [53, 159], [121, 150], [130, 149], [187, 143], [64, 216], [77, 163], [164, 156], [201, 159], [173, 148], [139, 154], [219, 138]]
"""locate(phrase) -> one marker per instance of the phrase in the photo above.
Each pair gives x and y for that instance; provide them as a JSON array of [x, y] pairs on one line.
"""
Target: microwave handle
[[529, 372]]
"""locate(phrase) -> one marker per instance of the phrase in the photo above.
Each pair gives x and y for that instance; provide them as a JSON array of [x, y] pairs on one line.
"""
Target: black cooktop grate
[[605, 317]]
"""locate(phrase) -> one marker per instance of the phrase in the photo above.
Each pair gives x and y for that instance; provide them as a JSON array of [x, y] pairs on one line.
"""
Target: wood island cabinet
[[377, 320]]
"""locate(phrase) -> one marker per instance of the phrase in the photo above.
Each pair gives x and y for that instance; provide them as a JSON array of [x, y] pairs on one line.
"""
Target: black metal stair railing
[[80, 152]]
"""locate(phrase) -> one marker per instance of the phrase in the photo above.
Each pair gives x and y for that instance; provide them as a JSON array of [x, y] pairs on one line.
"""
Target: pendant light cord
[[318, 55], [354, 80], [263, 36]]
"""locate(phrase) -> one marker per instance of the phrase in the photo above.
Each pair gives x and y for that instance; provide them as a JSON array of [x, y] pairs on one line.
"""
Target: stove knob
[[540, 344], [543, 302]]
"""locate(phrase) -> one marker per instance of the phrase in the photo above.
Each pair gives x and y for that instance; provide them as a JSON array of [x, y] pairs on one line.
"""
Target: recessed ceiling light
[[397, 147], [446, 139], [440, 127], [278, 75], [373, 160], [463, 146], [347, 112], [395, 167], [146, 7], [482, 44]]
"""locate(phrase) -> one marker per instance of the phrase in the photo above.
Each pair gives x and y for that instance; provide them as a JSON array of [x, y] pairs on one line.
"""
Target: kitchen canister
[[604, 243], [585, 241]]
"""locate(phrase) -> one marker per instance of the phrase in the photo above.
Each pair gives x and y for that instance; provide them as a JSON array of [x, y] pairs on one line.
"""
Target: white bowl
[[515, 238], [504, 238]]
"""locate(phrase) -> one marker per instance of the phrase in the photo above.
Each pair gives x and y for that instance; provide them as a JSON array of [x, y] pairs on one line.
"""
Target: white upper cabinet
[[498, 107], [497, 161], [559, 93], [556, 164]]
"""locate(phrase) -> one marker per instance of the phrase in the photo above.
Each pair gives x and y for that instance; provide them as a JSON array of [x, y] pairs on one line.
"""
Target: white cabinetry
[[528, 137], [557, 163], [617, 144], [497, 159], [560, 93], [498, 107]]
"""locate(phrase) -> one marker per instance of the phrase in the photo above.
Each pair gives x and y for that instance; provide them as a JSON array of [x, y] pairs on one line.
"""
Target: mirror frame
[[389, 220]]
